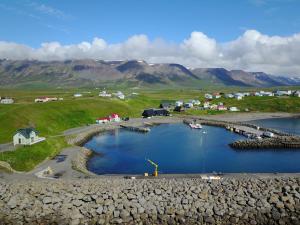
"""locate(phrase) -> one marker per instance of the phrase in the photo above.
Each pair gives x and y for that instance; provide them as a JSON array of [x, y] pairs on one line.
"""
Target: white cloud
[[252, 51]]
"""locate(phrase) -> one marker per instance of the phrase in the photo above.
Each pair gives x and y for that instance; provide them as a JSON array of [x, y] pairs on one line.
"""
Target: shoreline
[[80, 154]]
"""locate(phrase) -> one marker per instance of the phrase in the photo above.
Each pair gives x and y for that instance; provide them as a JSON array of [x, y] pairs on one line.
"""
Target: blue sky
[[33, 22], [253, 35]]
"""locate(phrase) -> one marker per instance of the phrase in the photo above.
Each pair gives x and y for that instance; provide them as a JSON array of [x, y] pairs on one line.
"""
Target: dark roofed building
[[155, 112]]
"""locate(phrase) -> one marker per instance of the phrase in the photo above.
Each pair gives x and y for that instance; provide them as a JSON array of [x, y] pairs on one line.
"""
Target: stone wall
[[151, 201]]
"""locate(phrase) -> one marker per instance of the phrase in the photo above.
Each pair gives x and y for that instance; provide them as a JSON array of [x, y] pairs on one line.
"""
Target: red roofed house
[[102, 120], [112, 118]]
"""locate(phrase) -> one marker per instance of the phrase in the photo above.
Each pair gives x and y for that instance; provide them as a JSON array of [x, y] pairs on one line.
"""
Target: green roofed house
[[27, 136]]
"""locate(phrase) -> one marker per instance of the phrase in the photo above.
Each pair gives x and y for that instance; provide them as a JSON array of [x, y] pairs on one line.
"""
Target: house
[[178, 109], [45, 99], [258, 94], [221, 107], [114, 118], [238, 96], [104, 94], [297, 94], [282, 93], [166, 104], [77, 95], [234, 109], [266, 93], [7, 101], [188, 105], [178, 103], [208, 96], [206, 105], [155, 112], [119, 95], [214, 107], [216, 95], [102, 120], [229, 96], [111, 118], [27, 136], [195, 102]]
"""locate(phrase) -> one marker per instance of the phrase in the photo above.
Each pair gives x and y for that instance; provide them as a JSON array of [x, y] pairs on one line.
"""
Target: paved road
[[61, 164], [7, 147]]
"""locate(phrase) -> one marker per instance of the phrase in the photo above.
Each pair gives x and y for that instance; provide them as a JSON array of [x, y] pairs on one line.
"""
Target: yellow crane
[[155, 173]]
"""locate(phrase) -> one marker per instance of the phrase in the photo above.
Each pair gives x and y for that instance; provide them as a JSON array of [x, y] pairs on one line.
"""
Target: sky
[[253, 35]]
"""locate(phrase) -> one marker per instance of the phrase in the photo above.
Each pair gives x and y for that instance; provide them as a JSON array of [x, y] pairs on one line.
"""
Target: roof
[[26, 131], [103, 118], [114, 115]]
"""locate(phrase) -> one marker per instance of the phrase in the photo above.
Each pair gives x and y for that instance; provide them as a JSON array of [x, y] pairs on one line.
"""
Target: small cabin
[[6, 101], [27, 136], [166, 104], [155, 112]]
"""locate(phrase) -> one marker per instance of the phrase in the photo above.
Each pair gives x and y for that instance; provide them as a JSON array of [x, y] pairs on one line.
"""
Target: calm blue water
[[284, 124], [179, 149]]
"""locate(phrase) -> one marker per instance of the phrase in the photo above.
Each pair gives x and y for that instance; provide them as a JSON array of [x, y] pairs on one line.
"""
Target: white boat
[[195, 125]]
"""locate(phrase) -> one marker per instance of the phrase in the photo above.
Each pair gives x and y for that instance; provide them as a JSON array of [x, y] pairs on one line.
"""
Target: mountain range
[[80, 73]]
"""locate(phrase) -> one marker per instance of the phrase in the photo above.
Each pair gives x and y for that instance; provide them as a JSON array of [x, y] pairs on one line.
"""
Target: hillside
[[87, 73]]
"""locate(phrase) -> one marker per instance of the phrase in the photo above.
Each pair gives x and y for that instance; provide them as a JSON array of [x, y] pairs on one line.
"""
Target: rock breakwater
[[280, 142], [152, 201]]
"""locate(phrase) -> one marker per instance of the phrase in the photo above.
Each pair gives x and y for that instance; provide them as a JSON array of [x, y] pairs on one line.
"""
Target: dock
[[255, 135], [136, 129]]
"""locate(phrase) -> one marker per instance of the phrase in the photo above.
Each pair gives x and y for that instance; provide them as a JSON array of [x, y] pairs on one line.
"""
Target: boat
[[195, 125]]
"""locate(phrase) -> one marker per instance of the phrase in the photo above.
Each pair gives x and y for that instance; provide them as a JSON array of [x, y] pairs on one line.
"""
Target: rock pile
[[280, 142], [151, 201]]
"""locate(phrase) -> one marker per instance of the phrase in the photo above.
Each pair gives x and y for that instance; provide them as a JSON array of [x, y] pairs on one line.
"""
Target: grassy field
[[27, 157], [53, 118]]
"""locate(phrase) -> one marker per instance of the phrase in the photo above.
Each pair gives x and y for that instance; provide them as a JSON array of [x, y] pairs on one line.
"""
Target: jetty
[[136, 128], [256, 136]]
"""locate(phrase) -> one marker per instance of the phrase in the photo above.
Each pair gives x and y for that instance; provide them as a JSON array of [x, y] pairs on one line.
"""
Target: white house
[[266, 93], [120, 95], [179, 103], [196, 102], [297, 94], [104, 94], [188, 105], [208, 96], [7, 101], [77, 95], [45, 99], [233, 109], [216, 95], [27, 136], [229, 95], [238, 96], [206, 105]]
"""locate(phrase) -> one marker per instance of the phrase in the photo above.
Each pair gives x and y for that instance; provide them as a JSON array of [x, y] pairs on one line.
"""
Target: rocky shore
[[281, 142], [273, 200]]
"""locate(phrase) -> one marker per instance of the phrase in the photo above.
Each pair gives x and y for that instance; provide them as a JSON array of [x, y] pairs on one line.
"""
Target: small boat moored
[[195, 125]]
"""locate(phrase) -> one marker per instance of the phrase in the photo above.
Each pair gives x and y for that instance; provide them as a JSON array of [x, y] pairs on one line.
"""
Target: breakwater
[[152, 201], [136, 128], [280, 142]]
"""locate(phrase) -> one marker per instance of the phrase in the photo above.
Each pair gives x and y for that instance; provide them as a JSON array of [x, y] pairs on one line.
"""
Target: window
[[20, 141]]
